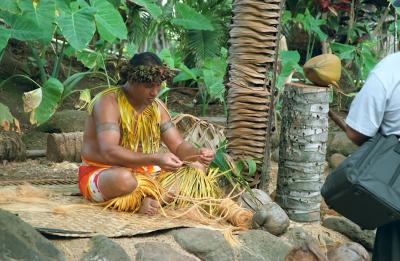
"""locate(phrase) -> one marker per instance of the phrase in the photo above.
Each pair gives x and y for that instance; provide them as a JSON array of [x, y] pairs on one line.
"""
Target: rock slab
[[261, 245], [20, 241], [351, 230], [103, 248], [208, 245], [157, 251]]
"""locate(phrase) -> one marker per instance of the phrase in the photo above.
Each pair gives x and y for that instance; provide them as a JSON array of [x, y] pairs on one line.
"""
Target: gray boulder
[[20, 241], [351, 230], [156, 251], [206, 244], [103, 248], [261, 245], [65, 121], [339, 143]]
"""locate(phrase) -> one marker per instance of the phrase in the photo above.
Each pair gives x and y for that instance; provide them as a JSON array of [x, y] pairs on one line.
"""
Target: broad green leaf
[[90, 59], [344, 51], [129, 50], [187, 74], [214, 84], [41, 14], [4, 36], [7, 120], [62, 6], [166, 56], [289, 62], [190, 19], [151, 7], [78, 27], [51, 96], [21, 27], [83, 3], [109, 21], [10, 6], [252, 166]]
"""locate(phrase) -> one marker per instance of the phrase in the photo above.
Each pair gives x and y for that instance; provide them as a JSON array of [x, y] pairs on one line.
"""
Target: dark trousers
[[387, 243]]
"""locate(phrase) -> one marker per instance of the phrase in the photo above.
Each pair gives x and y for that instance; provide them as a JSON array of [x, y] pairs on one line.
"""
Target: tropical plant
[[56, 25]]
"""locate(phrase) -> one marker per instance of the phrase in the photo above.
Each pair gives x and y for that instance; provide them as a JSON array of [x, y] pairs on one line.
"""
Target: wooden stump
[[64, 146], [302, 149], [11, 146]]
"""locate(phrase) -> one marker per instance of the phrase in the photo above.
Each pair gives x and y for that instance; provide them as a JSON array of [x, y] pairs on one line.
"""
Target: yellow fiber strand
[[147, 187], [192, 184]]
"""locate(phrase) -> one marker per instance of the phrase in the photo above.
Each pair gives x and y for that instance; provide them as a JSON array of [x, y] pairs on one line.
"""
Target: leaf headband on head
[[146, 73]]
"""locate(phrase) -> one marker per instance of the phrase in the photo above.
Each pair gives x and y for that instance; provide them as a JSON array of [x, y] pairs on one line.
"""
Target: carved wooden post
[[302, 149]]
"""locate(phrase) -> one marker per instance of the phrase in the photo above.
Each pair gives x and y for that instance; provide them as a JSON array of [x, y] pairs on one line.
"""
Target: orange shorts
[[89, 174]]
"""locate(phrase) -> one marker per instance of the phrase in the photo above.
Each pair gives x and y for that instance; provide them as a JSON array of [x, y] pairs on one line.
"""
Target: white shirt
[[377, 105]]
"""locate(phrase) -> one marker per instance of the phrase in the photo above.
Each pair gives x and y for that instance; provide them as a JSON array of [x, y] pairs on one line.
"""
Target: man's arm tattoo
[[107, 126], [165, 126]]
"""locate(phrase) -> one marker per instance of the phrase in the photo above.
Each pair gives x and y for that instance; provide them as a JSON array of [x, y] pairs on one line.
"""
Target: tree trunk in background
[[253, 47], [64, 146], [302, 149], [11, 146]]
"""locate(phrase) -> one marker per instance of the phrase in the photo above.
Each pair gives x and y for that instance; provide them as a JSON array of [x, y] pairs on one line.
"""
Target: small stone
[[156, 251], [351, 230], [272, 218], [349, 251], [103, 248], [206, 244], [335, 160], [254, 200]]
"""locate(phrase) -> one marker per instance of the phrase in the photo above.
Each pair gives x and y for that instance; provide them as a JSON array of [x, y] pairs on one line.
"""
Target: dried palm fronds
[[252, 54], [147, 187], [199, 132]]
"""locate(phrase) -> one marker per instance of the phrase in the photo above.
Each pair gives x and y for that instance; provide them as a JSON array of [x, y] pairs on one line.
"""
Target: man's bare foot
[[149, 206]]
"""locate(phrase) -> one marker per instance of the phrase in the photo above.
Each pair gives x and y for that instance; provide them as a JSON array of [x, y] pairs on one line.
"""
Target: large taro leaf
[[78, 26], [151, 7], [22, 27], [52, 90], [109, 21], [62, 5], [10, 6], [40, 14], [91, 59], [7, 121], [189, 18], [4, 36]]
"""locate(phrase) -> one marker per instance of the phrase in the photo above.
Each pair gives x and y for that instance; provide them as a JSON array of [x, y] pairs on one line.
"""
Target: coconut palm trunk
[[253, 47], [302, 149]]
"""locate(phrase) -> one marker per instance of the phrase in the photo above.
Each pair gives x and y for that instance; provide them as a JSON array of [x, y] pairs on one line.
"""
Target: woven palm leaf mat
[[77, 220]]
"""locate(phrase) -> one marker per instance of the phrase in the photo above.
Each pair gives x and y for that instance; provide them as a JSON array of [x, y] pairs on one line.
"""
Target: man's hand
[[206, 156], [168, 161]]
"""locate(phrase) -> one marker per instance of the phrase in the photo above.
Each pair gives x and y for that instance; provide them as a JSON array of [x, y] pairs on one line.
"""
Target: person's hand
[[206, 156], [168, 161]]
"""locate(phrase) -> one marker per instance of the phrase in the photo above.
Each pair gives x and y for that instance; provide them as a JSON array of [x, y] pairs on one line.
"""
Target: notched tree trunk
[[302, 149]]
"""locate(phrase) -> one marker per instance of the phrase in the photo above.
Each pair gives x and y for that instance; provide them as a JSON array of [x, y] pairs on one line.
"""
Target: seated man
[[123, 133]]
